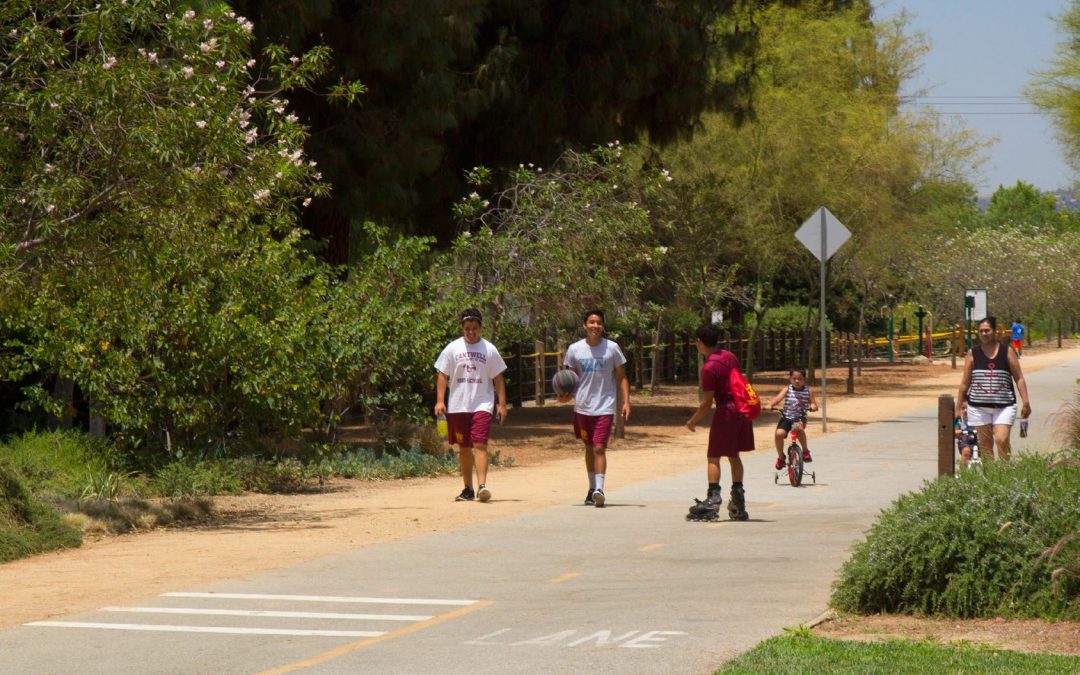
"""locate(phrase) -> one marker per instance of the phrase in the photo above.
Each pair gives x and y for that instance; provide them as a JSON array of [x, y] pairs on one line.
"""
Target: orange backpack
[[742, 392]]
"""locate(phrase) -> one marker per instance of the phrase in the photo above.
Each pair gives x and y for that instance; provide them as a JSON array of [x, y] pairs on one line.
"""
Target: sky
[[982, 54]]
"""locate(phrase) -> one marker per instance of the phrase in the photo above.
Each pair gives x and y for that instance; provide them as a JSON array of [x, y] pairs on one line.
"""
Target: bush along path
[[1001, 542], [28, 526]]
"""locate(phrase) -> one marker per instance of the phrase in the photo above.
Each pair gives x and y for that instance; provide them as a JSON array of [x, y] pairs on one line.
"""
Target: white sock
[[592, 480], [600, 482]]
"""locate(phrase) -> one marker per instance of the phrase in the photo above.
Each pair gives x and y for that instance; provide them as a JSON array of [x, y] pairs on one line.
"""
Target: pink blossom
[[188, 72], [109, 63], [190, 14], [220, 64], [201, 124]]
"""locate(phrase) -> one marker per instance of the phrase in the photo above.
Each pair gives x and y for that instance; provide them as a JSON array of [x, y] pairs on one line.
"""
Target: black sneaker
[[467, 495], [736, 508], [598, 498], [588, 498], [483, 494]]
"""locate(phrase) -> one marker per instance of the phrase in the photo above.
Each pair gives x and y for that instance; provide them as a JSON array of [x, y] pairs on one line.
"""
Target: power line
[[975, 103], [980, 112], [970, 97]]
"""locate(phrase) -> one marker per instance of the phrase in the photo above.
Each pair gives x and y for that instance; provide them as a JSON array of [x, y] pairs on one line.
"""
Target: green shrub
[[57, 463], [364, 464], [184, 478], [790, 317], [1068, 422], [976, 545], [27, 526]]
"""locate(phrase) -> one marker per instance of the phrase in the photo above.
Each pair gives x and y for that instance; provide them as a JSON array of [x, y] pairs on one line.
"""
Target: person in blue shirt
[[1018, 332]]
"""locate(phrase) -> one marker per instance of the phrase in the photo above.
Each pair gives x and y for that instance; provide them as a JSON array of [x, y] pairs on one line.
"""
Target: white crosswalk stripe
[[250, 609]]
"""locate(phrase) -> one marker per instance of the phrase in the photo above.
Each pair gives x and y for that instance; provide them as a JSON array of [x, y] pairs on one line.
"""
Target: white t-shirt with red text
[[470, 371]]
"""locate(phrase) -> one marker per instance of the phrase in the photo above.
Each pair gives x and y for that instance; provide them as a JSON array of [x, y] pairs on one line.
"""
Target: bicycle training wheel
[[795, 464]]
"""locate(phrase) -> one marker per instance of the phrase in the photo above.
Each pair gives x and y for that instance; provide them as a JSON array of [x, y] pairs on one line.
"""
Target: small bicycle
[[976, 459], [793, 463], [967, 438]]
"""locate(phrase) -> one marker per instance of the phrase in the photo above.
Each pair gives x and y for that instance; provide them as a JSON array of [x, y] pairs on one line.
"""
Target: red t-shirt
[[716, 374], [730, 433]]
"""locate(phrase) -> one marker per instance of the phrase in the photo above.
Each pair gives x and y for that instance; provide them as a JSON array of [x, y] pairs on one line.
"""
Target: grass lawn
[[798, 654]]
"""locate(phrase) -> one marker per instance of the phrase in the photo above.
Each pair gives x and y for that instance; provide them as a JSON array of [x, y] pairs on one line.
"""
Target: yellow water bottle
[[440, 426]]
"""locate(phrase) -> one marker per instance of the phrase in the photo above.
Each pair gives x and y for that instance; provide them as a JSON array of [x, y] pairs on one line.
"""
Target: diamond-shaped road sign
[[810, 233]]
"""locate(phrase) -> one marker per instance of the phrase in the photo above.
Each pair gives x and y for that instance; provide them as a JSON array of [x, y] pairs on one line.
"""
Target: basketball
[[565, 382]]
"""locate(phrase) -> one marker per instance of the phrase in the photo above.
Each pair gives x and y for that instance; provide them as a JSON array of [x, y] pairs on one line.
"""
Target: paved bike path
[[631, 588]]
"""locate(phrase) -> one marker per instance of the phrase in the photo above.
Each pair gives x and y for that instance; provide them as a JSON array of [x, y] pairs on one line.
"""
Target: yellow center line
[[650, 547], [360, 644], [775, 505], [563, 577]]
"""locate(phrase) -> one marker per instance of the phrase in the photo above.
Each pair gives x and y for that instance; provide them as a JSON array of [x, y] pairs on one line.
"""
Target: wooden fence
[[672, 357]]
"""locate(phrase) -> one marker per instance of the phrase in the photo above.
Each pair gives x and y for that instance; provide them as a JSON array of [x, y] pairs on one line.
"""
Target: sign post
[[823, 235], [974, 311]]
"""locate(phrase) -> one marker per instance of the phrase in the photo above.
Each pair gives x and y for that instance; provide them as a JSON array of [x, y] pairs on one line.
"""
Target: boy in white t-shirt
[[600, 367], [473, 369]]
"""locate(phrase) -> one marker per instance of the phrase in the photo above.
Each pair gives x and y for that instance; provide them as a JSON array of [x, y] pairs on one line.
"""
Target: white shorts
[[978, 416]]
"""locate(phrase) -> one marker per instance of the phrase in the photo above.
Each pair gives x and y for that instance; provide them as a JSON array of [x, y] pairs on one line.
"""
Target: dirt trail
[[264, 532]]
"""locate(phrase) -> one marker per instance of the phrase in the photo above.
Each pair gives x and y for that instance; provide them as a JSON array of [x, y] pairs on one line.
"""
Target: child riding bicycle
[[798, 399], [967, 441]]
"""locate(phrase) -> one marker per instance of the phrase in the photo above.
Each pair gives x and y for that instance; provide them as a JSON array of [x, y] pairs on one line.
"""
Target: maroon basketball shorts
[[730, 433], [468, 429], [593, 430]]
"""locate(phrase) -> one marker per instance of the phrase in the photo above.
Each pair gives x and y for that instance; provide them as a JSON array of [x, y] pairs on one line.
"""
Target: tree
[[149, 197], [454, 85], [828, 131], [558, 241], [1025, 273], [1055, 90], [1023, 207]]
